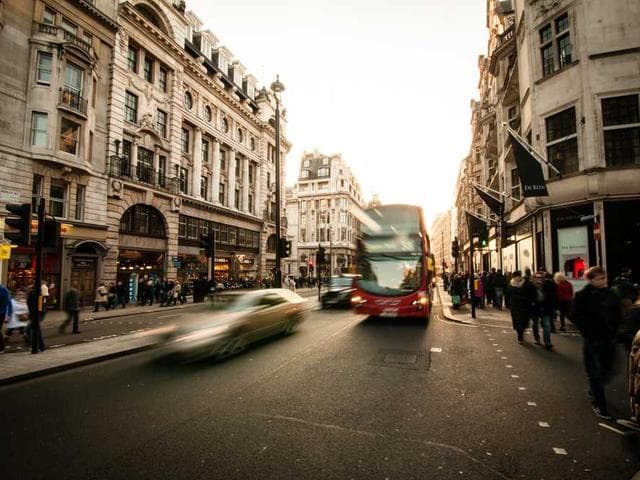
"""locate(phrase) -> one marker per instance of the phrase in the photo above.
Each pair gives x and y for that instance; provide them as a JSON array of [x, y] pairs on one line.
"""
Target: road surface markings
[[544, 424], [495, 345], [436, 349], [515, 376], [58, 346], [168, 316], [509, 366], [492, 339], [500, 351], [560, 451], [613, 429], [532, 404], [522, 388], [502, 358]]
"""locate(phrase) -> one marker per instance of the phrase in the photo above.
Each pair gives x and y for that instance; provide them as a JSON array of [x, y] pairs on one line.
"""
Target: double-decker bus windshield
[[390, 274]]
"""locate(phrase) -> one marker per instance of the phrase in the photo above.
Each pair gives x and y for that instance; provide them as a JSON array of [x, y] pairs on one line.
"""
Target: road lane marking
[[613, 429], [436, 349], [532, 404], [499, 351], [169, 316], [58, 346], [509, 366], [522, 388], [515, 376], [495, 345], [544, 424], [502, 358], [560, 451]]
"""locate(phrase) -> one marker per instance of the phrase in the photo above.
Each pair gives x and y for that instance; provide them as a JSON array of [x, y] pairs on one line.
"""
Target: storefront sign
[[573, 251], [222, 260], [5, 252]]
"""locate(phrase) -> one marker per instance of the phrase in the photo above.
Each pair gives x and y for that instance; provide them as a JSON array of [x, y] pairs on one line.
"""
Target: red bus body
[[399, 252]]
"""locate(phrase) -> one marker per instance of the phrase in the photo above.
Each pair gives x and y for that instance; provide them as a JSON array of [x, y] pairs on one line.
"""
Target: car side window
[[270, 300]]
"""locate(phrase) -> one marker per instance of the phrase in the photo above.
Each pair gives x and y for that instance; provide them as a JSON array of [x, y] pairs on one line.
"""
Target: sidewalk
[[19, 366]]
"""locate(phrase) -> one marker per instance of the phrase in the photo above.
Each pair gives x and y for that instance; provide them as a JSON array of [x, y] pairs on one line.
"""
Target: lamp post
[[277, 87], [330, 232]]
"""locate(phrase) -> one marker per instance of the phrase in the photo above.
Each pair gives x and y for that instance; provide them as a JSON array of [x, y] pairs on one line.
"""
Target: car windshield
[[341, 282], [243, 302], [387, 274]]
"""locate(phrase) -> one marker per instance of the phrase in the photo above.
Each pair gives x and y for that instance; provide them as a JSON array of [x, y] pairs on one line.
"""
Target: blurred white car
[[246, 319]]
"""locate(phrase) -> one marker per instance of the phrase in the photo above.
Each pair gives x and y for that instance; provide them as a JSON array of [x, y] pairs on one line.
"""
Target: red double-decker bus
[[394, 264]]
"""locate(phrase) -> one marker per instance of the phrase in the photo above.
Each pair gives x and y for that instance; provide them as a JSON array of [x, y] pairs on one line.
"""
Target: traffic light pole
[[37, 313]]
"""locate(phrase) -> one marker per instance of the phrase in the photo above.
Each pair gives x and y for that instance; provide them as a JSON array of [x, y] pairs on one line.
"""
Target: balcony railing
[[46, 28], [65, 36], [121, 167], [78, 42], [73, 101]]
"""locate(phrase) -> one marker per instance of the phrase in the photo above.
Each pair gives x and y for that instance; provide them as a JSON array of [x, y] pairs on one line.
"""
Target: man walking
[[596, 313], [71, 305], [5, 312], [522, 295]]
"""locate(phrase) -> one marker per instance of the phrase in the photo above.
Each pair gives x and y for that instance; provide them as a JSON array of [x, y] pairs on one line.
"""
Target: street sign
[[5, 252], [9, 196]]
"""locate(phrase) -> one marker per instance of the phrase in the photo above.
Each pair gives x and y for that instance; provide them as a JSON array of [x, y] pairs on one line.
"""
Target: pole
[[278, 275], [471, 274], [330, 251], [319, 267], [37, 287], [442, 241], [501, 224]]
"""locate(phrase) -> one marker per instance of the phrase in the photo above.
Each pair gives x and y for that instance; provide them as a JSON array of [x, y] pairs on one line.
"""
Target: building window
[[204, 187], [162, 170], [58, 198], [183, 180], [132, 58], [225, 124], [555, 45], [49, 17], [143, 220], [268, 181], [305, 164], [69, 28], [323, 172], [304, 174], [184, 140], [188, 100], [621, 125], [43, 69], [250, 203], [223, 160], [221, 194], [73, 79], [69, 135], [162, 79], [562, 141], [130, 107], [148, 68], [208, 115], [252, 144], [182, 226], [81, 191], [515, 183], [88, 38], [238, 162], [240, 135], [205, 151], [36, 191], [39, 129], [161, 123], [251, 169], [325, 161], [236, 201]]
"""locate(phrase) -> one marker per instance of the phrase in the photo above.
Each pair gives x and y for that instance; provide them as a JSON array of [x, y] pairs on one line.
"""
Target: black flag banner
[[492, 202], [476, 225], [529, 169]]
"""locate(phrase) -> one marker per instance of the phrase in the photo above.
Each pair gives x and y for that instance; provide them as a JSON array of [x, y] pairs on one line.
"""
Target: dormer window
[[323, 172], [188, 100]]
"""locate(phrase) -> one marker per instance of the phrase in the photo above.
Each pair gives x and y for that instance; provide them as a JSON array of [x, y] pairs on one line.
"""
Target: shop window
[[58, 192], [621, 126], [224, 234], [233, 235], [143, 220]]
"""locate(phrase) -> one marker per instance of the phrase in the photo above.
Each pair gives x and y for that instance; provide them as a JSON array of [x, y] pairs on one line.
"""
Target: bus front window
[[390, 274]]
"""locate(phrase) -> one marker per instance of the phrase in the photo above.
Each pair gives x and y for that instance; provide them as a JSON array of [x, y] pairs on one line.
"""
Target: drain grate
[[409, 359]]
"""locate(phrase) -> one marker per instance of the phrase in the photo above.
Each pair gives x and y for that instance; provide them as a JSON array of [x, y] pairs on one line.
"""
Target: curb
[[446, 313], [152, 310], [74, 364]]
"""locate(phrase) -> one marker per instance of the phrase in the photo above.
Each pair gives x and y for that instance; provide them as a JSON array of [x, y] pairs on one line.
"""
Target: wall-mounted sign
[[83, 262]]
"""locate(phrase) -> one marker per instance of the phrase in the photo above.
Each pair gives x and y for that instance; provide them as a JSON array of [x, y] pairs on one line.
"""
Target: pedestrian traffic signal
[[207, 243], [21, 223], [52, 230], [455, 248], [483, 237]]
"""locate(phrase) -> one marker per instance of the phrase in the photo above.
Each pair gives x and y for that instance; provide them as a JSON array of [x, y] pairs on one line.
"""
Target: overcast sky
[[387, 83]]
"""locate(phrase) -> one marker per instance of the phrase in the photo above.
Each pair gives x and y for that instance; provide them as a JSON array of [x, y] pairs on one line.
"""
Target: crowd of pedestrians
[[604, 315]]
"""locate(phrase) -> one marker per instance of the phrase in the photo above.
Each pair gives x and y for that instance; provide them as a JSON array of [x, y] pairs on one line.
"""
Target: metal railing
[[65, 36], [121, 167], [78, 42], [73, 101]]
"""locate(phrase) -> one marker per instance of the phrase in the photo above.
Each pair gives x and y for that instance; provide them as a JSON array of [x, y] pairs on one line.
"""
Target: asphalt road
[[343, 397]]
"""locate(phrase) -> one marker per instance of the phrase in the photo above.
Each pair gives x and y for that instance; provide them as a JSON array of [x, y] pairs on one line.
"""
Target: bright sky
[[387, 83]]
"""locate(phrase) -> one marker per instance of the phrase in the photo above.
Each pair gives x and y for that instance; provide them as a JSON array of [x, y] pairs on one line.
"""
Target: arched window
[[151, 16], [143, 220]]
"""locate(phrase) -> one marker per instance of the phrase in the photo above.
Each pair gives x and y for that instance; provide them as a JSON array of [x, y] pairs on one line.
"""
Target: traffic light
[[455, 248], [320, 256], [285, 247], [483, 237], [21, 224], [207, 243], [52, 230]]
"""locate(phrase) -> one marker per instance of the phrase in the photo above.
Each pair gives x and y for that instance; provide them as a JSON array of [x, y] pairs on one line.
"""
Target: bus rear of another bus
[[394, 263]]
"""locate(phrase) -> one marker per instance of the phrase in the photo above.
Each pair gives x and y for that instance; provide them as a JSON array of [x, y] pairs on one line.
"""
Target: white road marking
[[168, 316], [522, 388], [509, 366], [503, 358], [544, 424], [436, 349], [500, 351], [495, 345], [57, 346], [560, 451], [532, 404], [613, 429], [515, 376]]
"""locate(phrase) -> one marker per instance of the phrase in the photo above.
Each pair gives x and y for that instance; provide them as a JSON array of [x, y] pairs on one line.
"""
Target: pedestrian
[[71, 305], [184, 290], [20, 313], [546, 306], [44, 291], [33, 302], [499, 286], [5, 312], [507, 281], [522, 296], [102, 296], [490, 292], [564, 295], [175, 293], [292, 284], [625, 289], [122, 295], [596, 312], [111, 295], [148, 292]]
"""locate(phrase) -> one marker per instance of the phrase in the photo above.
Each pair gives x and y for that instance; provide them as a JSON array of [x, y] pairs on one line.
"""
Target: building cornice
[[98, 14], [227, 212]]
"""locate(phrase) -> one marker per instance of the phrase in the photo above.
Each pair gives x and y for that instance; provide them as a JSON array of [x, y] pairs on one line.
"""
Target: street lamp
[[277, 87]]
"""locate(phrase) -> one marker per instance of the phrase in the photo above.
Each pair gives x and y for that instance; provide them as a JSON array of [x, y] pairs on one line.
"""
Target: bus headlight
[[422, 300], [356, 299]]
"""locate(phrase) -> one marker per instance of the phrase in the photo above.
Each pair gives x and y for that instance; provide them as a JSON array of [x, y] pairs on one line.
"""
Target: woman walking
[[564, 293], [522, 295]]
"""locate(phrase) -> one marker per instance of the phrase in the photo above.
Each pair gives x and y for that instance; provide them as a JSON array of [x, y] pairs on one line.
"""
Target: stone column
[[257, 200], [197, 163], [215, 168], [231, 179], [245, 185]]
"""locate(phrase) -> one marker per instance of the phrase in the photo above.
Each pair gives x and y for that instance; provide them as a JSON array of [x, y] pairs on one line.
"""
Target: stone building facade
[[143, 133], [440, 242], [322, 210], [565, 76]]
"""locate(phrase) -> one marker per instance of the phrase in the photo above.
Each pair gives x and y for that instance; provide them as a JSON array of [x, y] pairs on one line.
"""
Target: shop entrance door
[[83, 277]]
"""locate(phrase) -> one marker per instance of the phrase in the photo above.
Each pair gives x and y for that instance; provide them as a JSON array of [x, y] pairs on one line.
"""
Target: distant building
[[322, 210], [440, 241]]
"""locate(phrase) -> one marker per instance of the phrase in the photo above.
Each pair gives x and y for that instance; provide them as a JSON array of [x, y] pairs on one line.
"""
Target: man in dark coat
[[71, 305], [522, 295], [596, 312], [499, 287]]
